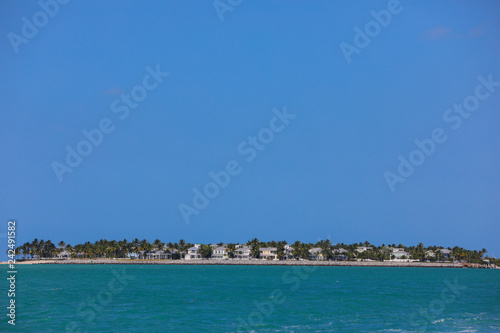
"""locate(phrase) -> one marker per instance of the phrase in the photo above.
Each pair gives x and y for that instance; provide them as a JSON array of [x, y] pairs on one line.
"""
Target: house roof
[[268, 249], [220, 248], [315, 249]]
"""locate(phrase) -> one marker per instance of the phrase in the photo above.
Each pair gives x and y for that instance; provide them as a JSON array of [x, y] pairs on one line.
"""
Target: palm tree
[[159, 245], [326, 252], [134, 246], [60, 247], [88, 249], [49, 249], [280, 249], [122, 248], [33, 248], [146, 247], [420, 251], [437, 254], [182, 247], [113, 246], [69, 249], [255, 244], [230, 248], [40, 247], [205, 251]]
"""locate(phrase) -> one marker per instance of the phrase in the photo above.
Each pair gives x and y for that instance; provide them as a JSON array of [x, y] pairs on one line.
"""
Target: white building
[[243, 253], [397, 254], [341, 254], [219, 253], [316, 253], [361, 249], [446, 253], [193, 253], [158, 255], [288, 252]]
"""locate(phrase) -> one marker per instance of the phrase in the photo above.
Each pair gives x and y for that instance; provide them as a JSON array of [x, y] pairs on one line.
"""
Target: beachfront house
[[341, 254], [219, 253], [361, 249], [316, 253], [398, 254], [446, 253], [243, 253], [268, 253], [175, 254], [63, 254], [158, 255], [288, 252], [439, 254], [193, 253], [132, 255]]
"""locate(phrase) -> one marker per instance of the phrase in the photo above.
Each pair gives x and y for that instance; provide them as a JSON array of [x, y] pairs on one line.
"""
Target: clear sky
[[321, 174]]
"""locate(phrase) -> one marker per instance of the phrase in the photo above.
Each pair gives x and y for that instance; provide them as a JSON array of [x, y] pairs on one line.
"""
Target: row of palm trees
[[124, 248], [99, 249], [42, 249]]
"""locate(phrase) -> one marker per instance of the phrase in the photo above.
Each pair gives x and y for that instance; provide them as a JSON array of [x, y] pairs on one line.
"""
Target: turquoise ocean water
[[123, 298]]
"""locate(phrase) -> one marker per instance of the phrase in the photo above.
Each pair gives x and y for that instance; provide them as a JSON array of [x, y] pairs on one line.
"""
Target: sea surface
[[130, 298]]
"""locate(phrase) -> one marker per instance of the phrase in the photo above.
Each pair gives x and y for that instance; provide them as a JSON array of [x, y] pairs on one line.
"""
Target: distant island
[[272, 252]]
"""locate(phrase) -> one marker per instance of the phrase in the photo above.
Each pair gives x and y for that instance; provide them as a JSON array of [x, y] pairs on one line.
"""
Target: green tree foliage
[[205, 251], [122, 249], [231, 249]]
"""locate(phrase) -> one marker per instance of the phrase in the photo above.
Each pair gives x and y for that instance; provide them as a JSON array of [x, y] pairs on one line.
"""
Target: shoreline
[[240, 263]]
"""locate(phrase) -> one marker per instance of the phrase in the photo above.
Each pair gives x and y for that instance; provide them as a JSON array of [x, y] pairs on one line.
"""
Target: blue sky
[[321, 176]]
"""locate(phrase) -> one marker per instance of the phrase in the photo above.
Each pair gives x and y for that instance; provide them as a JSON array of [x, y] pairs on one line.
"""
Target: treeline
[[99, 249], [384, 251], [124, 248]]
